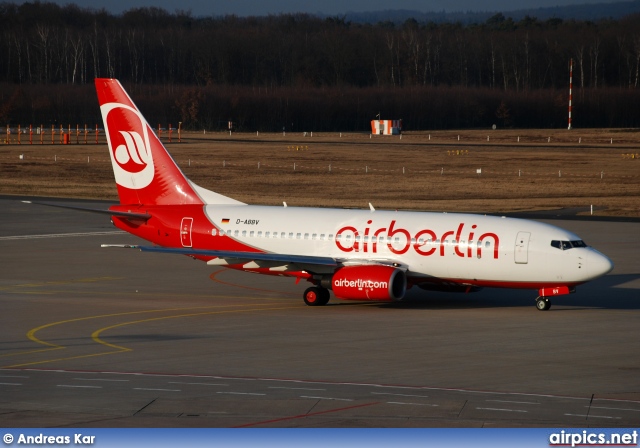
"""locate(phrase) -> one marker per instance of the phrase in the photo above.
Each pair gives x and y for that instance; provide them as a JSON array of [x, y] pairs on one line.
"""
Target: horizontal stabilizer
[[125, 215]]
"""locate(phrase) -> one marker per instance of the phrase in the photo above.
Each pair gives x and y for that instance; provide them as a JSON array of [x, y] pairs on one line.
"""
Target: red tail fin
[[145, 172]]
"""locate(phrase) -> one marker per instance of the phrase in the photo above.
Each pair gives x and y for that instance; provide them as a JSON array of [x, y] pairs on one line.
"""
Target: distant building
[[386, 127]]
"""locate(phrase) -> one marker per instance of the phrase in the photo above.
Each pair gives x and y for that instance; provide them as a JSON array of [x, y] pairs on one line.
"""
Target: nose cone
[[598, 264]]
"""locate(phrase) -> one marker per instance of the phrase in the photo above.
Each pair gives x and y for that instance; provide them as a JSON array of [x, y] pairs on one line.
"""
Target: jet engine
[[369, 282]]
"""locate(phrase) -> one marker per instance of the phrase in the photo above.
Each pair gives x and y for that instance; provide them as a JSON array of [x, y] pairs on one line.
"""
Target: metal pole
[[570, 90]]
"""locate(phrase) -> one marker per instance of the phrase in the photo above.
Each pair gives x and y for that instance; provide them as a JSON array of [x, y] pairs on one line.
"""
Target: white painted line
[[239, 393], [502, 410], [593, 416], [59, 235], [614, 409], [10, 384], [293, 388], [197, 384], [349, 383], [516, 402], [161, 390], [413, 404], [101, 379], [79, 387], [399, 395], [326, 398], [384, 386]]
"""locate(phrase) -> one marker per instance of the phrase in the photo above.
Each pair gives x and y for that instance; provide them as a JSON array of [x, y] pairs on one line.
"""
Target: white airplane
[[359, 254]]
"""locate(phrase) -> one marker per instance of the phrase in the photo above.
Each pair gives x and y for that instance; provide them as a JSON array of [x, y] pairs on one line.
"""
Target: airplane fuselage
[[467, 249]]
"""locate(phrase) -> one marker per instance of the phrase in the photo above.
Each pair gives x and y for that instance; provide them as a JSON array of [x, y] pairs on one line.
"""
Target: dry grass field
[[520, 169]]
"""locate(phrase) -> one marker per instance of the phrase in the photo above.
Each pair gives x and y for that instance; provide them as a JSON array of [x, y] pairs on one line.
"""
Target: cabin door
[[522, 248], [185, 231]]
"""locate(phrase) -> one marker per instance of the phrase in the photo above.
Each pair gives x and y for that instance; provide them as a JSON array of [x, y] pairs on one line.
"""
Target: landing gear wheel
[[315, 296], [543, 304], [325, 296]]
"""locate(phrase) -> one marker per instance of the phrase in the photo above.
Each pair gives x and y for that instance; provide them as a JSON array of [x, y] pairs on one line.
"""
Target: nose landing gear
[[543, 303]]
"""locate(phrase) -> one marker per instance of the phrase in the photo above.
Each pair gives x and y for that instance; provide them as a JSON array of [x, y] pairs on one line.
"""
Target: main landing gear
[[543, 303], [316, 296]]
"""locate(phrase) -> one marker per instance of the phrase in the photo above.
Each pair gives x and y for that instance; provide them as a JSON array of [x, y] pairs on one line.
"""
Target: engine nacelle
[[369, 282]]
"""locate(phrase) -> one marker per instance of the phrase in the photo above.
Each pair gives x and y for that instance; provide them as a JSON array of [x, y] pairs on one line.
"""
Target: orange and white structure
[[386, 127]]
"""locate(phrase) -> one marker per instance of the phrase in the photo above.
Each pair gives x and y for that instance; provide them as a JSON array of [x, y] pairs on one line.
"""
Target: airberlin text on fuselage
[[424, 242]]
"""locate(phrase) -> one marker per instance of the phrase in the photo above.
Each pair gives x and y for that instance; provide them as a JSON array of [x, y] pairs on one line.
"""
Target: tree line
[[298, 71]]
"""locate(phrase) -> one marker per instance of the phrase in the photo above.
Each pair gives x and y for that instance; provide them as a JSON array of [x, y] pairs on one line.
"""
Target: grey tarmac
[[94, 337]]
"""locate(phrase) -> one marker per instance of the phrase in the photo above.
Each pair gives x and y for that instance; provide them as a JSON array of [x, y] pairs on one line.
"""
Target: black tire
[[543, 304], [324, 298], [315, 296], [312, 296]]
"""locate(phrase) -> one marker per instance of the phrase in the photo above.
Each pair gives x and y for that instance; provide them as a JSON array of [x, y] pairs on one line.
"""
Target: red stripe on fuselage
[[489, 283]]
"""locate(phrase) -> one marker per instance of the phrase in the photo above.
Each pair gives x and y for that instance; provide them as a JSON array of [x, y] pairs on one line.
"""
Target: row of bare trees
[[46, 43], [295, 71]]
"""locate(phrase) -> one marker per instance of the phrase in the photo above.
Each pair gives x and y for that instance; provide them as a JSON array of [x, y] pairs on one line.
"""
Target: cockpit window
[[566, 245]]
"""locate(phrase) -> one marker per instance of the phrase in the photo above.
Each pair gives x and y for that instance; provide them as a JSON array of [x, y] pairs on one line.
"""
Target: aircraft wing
[[259, 256], [234, 256]]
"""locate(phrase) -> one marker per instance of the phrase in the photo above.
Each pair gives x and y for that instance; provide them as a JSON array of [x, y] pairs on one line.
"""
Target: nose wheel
[[315, 296], [543, 303]]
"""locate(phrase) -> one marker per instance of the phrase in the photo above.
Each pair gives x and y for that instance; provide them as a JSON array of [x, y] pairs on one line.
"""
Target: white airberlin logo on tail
[[128, 137], [133, 150]]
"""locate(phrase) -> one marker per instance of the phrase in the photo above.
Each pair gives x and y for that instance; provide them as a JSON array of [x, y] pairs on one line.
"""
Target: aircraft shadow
[[606, 292]]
